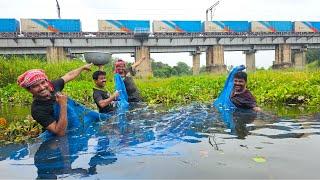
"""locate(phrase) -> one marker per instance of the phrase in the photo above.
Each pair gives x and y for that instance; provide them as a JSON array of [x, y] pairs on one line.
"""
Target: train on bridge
[[157, 26]]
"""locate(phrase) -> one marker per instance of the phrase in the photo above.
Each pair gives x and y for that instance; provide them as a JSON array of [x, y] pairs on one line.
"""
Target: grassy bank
[[269, 87]]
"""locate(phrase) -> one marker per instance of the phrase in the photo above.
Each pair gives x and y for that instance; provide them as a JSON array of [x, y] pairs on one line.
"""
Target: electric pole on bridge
[[58, 9], [212, 10]]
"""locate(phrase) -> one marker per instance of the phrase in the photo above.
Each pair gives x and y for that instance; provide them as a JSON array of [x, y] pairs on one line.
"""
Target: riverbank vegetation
[[270, 87]]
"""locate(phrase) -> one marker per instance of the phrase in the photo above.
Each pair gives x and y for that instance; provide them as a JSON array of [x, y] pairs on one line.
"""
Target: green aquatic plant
[[19, 131]]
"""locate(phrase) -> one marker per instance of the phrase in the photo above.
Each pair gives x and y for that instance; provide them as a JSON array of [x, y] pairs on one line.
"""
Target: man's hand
[[100, 67], [61, 99], [116, 94], [105, 102], [87, 67], [257, 109], [59, 127]]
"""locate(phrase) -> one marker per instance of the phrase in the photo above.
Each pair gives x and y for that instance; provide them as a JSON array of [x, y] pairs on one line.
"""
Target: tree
[[203, 69], [160, 69], [164, 70], [313, 55], [182, 69]]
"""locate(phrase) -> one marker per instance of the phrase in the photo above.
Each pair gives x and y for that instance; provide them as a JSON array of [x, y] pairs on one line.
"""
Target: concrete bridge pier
[[215, 59], [282, 56], [56, 54], [250, 60], [300, 58], [144, 69], [196, 63]]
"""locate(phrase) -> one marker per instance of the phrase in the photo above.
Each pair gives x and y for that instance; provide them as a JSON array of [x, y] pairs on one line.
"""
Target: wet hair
[[241, 75], [96, 74]]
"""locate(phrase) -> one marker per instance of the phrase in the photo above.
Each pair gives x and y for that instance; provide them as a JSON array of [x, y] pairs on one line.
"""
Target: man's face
[[101, 81], [121, 68], [239, 84], [40, 89]]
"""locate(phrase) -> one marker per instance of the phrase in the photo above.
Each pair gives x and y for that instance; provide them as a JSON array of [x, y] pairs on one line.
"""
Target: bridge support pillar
[[282, 56], [196, 63], [300, 58], [250, 60], [56, 54], [215, 59], [144, 69]]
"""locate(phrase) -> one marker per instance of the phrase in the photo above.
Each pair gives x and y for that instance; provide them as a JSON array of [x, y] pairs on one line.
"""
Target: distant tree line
[[164, 70]]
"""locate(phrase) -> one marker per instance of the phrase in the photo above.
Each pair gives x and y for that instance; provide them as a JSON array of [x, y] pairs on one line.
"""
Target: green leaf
[[259, 159]]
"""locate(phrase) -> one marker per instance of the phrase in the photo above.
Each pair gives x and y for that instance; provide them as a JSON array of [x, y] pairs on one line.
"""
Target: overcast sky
[[89, 11]]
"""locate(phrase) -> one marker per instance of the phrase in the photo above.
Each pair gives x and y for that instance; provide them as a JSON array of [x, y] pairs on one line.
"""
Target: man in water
[[45, 94], [126, 74], [241, 97], [101, 96]]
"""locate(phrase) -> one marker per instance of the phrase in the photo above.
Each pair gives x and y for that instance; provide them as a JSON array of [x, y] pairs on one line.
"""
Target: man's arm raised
[[75, 73], [134, 65]]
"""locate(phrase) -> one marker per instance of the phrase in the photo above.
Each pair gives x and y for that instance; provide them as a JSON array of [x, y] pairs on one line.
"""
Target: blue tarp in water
[[79, 117], [122, 103], [223, 103]]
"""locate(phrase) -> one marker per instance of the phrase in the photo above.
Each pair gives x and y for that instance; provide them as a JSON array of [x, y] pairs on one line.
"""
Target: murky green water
[[193, 141]]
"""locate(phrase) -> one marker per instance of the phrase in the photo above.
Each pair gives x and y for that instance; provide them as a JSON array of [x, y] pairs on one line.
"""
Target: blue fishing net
[[223, 103], [122, 103], [79, 117]]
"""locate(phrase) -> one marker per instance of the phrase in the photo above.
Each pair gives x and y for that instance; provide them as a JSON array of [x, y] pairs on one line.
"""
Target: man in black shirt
[[241, 97], [45, 94], [101, 96]]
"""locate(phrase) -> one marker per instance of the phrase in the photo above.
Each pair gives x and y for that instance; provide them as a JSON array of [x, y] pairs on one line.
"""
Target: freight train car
[[226, 26], [271, 26], [9, 25], [123, 26], [176, 26], [306, 26], [50, 25]]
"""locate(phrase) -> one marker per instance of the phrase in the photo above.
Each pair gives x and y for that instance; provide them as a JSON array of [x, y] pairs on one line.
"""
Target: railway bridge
[[290, 47]]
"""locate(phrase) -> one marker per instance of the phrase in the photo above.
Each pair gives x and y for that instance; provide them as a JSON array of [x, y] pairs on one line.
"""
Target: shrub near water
[[181, 90], [286, 87]]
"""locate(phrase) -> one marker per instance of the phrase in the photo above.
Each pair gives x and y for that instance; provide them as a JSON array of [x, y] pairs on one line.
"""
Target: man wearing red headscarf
[[126, 74], [45, 94]]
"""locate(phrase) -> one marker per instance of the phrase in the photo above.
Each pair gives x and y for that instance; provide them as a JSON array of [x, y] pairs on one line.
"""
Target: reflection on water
[[291, 111], [54, 157], [148, 132]]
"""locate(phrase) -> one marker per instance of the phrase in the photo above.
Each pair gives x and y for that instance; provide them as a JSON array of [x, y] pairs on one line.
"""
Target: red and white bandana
[[118, 63], [31, 77]]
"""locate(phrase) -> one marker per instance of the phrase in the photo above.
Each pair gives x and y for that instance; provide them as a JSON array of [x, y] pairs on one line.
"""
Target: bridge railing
[[138, 33]]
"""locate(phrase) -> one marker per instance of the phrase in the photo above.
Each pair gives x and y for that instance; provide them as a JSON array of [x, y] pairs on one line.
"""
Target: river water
[[193, 141]]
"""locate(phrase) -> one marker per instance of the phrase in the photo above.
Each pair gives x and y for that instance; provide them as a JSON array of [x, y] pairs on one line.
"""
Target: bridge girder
[[157, 44]]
